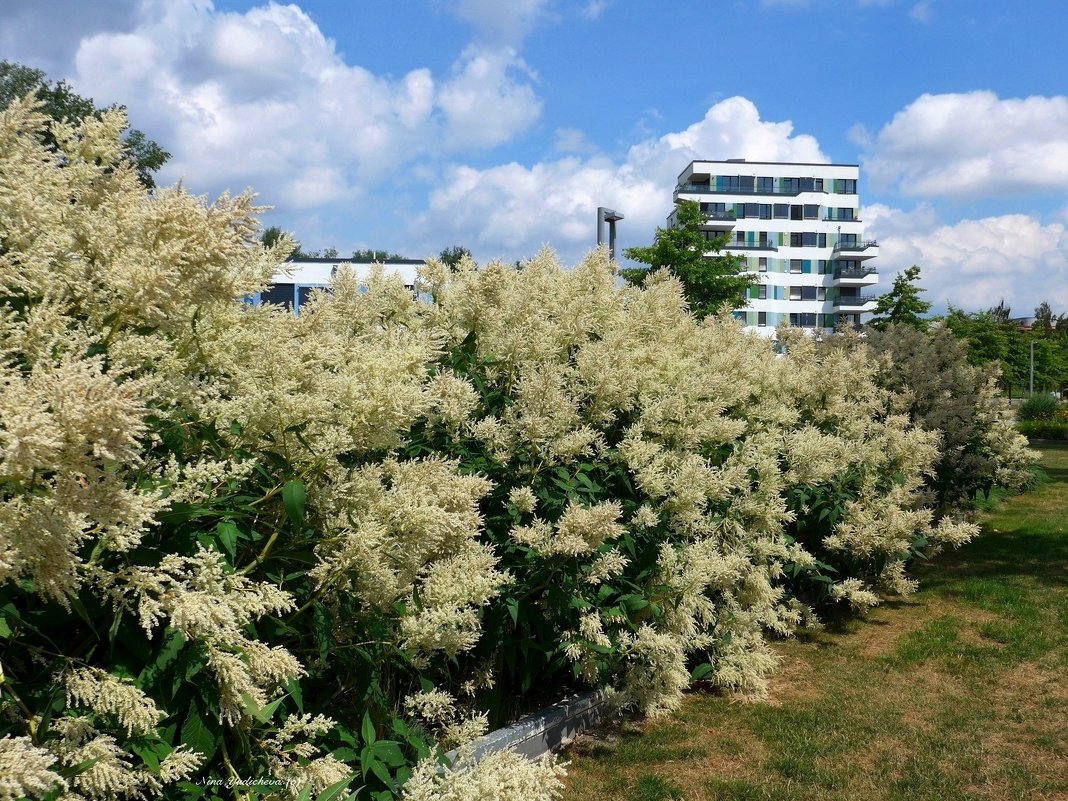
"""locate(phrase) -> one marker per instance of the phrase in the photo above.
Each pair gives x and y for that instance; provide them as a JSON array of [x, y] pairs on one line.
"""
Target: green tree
[[451, 256], [62, 103], [902, 305], [711, 282], [1045, 319], [380, 256]]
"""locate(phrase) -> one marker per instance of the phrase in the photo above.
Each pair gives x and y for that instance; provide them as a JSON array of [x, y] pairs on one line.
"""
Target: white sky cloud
[[514, 208], [973, 263], [501, 22], [958, 145], [264, 98]]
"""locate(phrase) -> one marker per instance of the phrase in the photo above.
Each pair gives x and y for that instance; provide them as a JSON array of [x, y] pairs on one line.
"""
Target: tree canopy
[[711, 282], [60, 102], [379, 256], [902, 305], [451, 256]]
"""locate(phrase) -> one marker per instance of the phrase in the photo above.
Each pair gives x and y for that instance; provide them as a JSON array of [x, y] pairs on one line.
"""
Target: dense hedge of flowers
[[246, 553]]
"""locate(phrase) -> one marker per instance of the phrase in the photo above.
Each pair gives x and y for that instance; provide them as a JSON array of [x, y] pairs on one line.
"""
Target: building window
[[279, 294], [845, 213], [796, 238], [845, 186], [790, 185], [734, 183], [782, 211], [822, 241], [809, 239], [807, 184], [795, 293], [812, 211], [821, 293], [762, 264], [762, 318], [766, 185], [762, 292], [817, 184], [795, 265], [808, 293], [797, 212]]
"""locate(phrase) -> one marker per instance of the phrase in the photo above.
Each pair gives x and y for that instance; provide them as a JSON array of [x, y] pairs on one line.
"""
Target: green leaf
[[389, 752], [513, 609], [367, 729], [700, 671], [198, 735], [262, 714], [166, 655], [332, 791], [227, 534], [293, 497]]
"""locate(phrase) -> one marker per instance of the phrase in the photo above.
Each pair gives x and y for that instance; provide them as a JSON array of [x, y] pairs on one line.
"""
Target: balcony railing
[[855, 272], [855, 300], [719, 216], [855, 246], [735, 245], [706, 189]]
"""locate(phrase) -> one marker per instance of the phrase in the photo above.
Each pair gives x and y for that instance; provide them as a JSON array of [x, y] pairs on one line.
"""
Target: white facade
[[302, 276], [798, 226]]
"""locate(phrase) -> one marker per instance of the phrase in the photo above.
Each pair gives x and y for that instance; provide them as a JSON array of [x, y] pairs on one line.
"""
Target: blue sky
[[412, 125]]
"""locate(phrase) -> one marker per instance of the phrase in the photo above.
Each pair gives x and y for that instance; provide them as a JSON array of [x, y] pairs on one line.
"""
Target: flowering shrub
[[932, 382], [298, 554]]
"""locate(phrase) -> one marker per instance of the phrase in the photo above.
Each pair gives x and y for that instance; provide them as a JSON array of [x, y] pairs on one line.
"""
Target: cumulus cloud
[[972, 264], [485, 81], [501, 22], [510, 210], [957, 145], [263, 98], [22, 21]]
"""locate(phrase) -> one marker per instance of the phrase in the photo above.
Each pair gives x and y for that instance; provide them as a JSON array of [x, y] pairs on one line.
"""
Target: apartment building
[[798, 226]]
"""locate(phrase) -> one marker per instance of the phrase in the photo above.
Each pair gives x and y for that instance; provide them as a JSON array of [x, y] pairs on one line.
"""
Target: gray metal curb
[[545, 730]]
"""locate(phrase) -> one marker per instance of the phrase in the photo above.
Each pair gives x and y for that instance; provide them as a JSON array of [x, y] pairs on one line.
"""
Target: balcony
[[857, 302], [861, 275], [707, 189], [718, 221], [750, 246], [855, 247], [858, 250]]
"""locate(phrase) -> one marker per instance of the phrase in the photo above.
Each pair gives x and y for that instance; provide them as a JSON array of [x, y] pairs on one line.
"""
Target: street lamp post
[[611, 217]]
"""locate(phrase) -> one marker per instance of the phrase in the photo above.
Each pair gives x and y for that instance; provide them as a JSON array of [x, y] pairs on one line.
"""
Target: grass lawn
[[957, 692]]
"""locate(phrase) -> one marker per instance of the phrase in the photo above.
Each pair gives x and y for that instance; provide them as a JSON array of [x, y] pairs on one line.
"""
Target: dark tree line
[[61, 103]]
